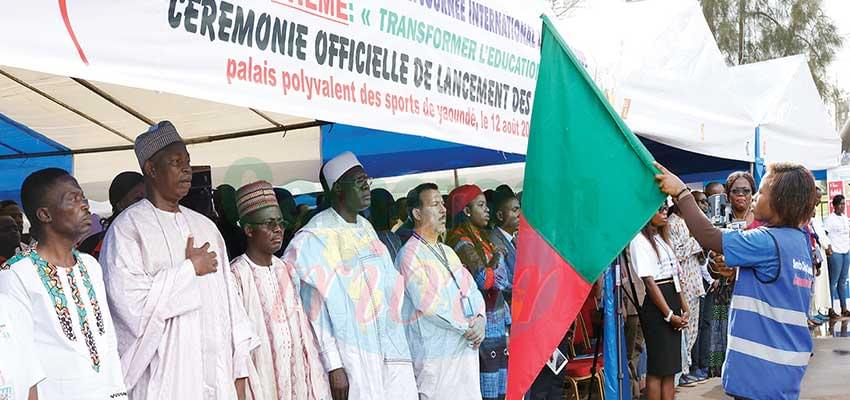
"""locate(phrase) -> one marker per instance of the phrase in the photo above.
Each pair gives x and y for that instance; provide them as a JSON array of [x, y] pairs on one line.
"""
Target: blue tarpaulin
[[386, 154], [17, 139], [390, 154], [613, 327]]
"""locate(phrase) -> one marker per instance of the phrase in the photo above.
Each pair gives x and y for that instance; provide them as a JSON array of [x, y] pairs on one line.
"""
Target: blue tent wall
[[383, 154], [386, 154], [693, 167], [391, 154], [16, 139]]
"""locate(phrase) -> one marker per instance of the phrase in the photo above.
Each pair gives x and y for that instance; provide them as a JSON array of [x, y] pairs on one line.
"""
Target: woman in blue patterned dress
[[486, 264]]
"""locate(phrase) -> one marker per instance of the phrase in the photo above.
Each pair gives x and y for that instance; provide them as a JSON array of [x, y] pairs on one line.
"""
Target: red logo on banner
[[339, 11], [835, 188], [63, 9]]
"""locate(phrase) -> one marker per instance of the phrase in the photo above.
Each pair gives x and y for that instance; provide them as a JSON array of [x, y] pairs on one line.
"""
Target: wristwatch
[[669, 317]]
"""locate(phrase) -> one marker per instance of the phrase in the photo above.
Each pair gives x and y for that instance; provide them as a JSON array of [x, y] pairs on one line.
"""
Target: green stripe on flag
[[589, 182]]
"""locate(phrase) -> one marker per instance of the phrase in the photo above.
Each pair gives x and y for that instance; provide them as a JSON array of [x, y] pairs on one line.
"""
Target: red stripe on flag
[[547, 295]]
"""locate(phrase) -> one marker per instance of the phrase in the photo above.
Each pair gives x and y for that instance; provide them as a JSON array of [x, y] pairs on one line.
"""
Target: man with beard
[[287, 362], [62, 296], [445, 306], [352, 292], [182, 332]]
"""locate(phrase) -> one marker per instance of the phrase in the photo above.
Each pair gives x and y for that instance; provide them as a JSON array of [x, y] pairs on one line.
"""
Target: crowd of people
[[362, 297], [730, 297], [370, 297]]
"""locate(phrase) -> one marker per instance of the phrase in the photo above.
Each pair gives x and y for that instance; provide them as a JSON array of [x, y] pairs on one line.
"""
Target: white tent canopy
[[92, 119], [658, 61], [783, 101], [667, 78]]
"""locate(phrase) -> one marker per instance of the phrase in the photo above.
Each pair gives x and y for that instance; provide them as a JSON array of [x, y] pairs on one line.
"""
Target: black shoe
[[686, 381]]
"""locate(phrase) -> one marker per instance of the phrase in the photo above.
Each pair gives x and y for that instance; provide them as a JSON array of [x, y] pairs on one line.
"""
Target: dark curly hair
[[793, 193]]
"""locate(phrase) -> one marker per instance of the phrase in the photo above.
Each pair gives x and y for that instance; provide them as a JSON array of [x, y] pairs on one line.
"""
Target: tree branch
[[780, 26]]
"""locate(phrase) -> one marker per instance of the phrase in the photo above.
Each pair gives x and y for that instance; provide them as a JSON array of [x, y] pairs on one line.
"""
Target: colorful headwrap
[[461, 196], [255, 196]]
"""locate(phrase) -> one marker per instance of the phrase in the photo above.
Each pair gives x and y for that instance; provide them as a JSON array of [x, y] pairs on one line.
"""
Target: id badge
[[468, 312]]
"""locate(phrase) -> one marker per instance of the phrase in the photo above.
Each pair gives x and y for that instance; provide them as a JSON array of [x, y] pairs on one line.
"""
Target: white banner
[[456, 70]]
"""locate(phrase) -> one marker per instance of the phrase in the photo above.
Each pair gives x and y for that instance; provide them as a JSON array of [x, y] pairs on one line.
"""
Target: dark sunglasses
[[741, 191], [271, 224]]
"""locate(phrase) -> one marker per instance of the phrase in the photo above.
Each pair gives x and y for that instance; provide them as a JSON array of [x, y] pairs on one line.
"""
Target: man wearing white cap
[[352, 292], [182, 332]]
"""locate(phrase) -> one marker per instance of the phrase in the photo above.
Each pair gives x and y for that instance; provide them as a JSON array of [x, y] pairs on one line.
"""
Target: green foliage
[[749, 31]]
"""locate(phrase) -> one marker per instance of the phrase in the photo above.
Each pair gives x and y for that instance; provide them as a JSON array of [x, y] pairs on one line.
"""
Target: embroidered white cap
[[338, 166]]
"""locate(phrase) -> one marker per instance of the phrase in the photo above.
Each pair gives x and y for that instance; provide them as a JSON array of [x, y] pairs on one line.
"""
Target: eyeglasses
[[359, 181], [741, 191], [271, 224]]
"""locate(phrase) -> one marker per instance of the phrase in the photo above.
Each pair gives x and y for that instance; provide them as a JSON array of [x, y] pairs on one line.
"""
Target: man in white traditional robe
[[444, 304], [352, 292], [182, 332], [59, 299], [287, 364], [20, 372]]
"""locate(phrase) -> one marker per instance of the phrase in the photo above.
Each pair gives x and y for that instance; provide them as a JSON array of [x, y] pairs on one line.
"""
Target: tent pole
[[457, 180], [758, 161], [117, 103], [65, 106], [195, 140]]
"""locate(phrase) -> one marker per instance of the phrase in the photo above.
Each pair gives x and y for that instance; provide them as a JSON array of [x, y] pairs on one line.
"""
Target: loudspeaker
[[200, 197]]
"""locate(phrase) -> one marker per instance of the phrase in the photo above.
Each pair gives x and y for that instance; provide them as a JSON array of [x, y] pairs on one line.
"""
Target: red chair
[[585, 370]]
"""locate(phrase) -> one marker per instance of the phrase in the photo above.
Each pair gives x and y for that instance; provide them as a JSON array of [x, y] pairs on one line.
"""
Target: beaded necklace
[[50, 279]]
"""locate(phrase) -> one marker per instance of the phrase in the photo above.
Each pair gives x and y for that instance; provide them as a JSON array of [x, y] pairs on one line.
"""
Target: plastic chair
[[584, 370]]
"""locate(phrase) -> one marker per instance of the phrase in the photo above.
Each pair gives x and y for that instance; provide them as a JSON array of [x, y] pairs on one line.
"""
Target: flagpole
[[617, 301]]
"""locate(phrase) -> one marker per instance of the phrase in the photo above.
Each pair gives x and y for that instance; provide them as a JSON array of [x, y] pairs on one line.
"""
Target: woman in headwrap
[[485, 262]]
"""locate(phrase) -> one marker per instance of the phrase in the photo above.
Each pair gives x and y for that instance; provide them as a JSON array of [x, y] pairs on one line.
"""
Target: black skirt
[[663, 343]]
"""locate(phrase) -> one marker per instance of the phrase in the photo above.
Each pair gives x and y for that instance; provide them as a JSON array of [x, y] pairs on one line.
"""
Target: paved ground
[[827, 378]]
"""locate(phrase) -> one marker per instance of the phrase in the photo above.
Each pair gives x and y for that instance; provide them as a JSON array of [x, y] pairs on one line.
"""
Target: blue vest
[[769, 341]]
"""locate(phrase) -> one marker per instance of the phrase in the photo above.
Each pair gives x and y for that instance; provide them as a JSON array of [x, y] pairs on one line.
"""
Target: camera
[[719, 210], [720, 213]]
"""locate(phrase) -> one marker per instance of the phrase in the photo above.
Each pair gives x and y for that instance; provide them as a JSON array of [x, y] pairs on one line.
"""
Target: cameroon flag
[[589, 188]]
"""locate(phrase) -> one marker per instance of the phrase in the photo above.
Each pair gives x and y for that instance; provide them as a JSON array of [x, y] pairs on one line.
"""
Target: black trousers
[[547, 386]]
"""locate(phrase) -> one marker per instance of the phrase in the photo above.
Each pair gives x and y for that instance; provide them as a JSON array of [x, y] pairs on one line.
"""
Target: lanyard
[[671, 260], [440, 256]]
